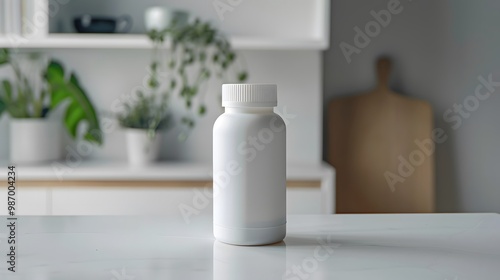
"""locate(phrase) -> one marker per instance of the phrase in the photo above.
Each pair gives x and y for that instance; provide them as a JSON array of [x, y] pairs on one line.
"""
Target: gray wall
[[439, 48]]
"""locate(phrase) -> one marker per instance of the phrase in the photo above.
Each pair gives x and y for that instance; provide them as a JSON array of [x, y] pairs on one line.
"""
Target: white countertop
[[427, 246], [121, 170]]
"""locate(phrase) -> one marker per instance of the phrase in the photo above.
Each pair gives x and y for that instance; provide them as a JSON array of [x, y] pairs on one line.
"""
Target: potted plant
[[197, 48], [30, 99], [142, 121]]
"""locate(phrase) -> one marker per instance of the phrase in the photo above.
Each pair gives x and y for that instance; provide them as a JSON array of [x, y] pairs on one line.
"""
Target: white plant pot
[[141, 149], [34, 141]]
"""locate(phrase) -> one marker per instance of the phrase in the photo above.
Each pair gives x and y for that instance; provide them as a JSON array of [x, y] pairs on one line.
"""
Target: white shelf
[[137, 41]]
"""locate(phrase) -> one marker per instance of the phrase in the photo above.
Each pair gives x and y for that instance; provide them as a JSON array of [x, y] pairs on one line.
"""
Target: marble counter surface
[[432, 246]]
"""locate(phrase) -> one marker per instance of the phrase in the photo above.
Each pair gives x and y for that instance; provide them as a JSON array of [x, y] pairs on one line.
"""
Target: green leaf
[[231, 56], [4, 56], [153, 83], [242, 76], [74, 113], [154, 66], [3, 106], [58, 95], [202, 110], [7, 88], [80, 109], [55, 72]]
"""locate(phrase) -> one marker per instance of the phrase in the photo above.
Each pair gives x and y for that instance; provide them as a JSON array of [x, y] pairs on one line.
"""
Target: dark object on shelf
[[92, 24]]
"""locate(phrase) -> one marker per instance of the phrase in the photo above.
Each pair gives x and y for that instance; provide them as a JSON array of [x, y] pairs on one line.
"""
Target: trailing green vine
[[197, 53]]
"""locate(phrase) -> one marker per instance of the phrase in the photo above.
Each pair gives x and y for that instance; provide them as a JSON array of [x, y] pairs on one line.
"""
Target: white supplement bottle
[[249, 165]]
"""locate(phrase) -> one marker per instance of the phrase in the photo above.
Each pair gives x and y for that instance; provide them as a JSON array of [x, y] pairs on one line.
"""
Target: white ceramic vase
[[34, 141], [141, 149], [157, 18]]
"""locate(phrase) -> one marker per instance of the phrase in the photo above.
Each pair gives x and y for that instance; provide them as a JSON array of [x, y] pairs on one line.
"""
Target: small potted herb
[[144, 121], [32, 96]]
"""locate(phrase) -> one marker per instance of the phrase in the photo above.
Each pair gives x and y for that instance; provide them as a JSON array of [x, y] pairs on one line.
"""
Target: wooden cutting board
[[372, 143]]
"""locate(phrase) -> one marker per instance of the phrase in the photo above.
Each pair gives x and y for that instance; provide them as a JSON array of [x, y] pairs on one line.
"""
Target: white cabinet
[[178, 202], [137, 200], [175, 202]]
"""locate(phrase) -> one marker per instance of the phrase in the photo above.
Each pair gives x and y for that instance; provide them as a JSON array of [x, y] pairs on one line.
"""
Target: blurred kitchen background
[[317, 52]]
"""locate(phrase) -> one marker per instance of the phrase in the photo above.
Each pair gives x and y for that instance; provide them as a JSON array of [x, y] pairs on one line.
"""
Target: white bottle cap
[[249, 95]]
